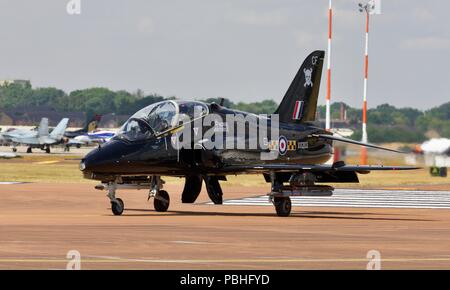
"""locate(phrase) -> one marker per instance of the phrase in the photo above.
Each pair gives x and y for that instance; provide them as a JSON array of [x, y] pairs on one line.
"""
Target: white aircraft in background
[[42, 138], [7, 136], [94, 137], [437, 152]]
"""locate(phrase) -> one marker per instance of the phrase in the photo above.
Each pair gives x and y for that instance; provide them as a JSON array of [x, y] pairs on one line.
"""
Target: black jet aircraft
[[142, 152]]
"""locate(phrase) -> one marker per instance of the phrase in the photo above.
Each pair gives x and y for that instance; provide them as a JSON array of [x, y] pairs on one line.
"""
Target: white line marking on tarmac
[[190, 242], [220, 261], [11, 183], [363, 199]]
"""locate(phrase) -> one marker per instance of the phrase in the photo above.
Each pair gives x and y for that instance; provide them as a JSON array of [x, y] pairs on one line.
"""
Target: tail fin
[[299, 105], [58, 132], [43, 128], [92, 124]]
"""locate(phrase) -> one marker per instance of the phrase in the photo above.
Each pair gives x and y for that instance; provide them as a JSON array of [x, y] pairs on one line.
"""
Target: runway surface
[[363, 199], [40, 223]]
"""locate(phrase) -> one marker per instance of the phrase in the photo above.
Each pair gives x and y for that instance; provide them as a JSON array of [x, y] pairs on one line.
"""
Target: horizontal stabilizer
[[350, 141]]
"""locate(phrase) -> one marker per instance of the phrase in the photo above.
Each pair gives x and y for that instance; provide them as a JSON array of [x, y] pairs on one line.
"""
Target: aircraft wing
[[346, 140], [317, 168], [27, 141], [74, 141]]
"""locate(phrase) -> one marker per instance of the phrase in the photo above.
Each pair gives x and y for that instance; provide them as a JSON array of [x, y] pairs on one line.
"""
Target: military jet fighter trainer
[[142, 152]]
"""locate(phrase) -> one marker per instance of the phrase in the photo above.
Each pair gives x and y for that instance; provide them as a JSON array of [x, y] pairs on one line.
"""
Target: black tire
[[14, 150], [117, 207], [283, 206], [162, 206], [47, 150], [29, 150]]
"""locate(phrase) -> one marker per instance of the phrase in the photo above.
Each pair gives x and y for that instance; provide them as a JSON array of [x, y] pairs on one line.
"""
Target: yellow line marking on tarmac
[[47, 162], [200, 261]]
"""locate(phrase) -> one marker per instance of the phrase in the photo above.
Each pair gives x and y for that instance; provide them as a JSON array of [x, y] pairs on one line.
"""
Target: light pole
[[371, 7], [367, 9]]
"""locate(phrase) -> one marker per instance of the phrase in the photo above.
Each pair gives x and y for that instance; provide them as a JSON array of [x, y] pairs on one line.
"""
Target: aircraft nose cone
[[94, 161], [107, 159], [83, 164]]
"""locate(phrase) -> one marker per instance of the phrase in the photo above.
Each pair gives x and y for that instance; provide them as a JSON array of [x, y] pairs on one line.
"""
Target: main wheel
[[283, 206], [14, 150], [161, 205], [117, 207], [29, 150], [47, 150]]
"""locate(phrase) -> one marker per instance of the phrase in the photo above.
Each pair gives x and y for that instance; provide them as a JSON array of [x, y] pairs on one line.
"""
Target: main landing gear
[[283, 206], [161, 200], [301, 184]]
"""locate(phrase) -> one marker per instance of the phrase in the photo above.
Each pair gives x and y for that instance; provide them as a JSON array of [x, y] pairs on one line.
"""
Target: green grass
[[44, 173], [39, 168], [68, 172]]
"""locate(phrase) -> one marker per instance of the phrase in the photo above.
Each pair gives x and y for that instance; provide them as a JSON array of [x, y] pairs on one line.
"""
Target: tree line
[[386, 123]]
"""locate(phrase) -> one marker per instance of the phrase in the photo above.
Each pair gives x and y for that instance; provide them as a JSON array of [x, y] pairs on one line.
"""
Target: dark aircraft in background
[[71, 137], [89, 127], [141, 152]]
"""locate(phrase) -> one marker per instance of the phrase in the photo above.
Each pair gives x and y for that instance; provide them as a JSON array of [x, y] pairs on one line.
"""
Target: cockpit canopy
[[159, 118]]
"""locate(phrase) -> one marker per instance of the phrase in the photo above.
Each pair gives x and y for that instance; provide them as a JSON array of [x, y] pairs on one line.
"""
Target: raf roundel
[[282, 145]]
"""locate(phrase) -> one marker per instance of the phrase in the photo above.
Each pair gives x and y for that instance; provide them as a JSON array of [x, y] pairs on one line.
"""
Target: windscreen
[[135, 130], [151, 120]]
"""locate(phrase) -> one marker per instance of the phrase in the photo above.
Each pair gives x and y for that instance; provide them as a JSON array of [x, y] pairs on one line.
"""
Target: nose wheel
[[117, 206]]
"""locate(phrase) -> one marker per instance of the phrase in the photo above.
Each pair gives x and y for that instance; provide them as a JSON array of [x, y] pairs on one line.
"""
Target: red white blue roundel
[[282, 145]]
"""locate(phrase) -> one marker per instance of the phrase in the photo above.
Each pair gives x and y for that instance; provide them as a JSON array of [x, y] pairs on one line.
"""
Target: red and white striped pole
[[330, 33], [366, 79], [372, 7]]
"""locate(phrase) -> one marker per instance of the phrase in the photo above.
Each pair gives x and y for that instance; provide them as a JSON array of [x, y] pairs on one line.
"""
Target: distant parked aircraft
[[89, 127], [95, 137], [42, 139], [8, 136]]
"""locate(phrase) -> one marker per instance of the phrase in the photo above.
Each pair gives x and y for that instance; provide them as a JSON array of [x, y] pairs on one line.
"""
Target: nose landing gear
[[161, 200]]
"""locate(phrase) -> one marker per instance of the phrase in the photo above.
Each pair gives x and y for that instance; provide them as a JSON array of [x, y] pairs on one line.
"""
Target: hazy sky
[[240, 49]]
